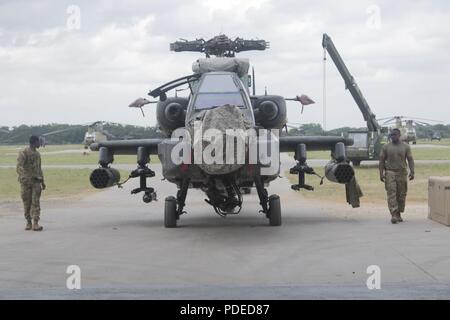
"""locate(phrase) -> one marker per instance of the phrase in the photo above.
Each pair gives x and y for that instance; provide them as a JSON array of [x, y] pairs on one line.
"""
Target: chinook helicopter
[[407, 126], [96, 133], [220, 99]]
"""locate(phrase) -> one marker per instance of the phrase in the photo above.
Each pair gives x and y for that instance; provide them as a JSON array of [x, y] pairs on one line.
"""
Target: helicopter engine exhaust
[[102, 178], [171, 114], [173, 111], [270, 111]]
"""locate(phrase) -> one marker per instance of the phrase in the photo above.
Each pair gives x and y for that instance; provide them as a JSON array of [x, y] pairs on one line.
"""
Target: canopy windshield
[[217, 90]]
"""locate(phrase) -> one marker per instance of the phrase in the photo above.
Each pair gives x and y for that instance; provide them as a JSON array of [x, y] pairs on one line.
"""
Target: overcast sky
[[51, 71]]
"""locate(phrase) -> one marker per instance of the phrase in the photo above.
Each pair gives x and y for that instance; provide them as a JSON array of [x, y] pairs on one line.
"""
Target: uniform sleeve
[[41, 175], [382, 160], [20, 164]]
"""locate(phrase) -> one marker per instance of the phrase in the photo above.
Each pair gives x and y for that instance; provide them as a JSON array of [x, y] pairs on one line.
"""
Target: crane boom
[[351, 84]]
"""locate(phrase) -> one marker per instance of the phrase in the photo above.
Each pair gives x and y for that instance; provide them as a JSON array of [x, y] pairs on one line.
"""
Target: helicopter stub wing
[[337, 170], [312, 143], [128, 147]]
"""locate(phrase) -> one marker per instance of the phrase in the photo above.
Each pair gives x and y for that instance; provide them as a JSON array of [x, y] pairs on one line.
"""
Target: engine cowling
[[270, 111], [171, 114]]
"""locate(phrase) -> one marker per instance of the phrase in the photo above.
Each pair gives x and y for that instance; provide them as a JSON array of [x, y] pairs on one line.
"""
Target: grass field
[[69, 182], [61, 183], [431, 153], [443, 142], [373, 188], [424, 153]]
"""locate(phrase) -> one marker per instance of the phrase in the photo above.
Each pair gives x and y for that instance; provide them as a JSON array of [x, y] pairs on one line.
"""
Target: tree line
[[74, 134], [314, 129]]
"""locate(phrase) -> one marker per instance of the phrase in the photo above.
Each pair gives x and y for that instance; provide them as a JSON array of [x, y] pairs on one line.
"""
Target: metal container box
[[439, 199]]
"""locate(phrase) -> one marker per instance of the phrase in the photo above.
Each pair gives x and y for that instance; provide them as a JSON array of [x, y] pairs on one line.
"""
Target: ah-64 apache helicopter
[[220, 99]]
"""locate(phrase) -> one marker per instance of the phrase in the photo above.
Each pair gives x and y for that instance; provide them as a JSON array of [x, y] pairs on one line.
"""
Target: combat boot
[[394, 219], [36, 226], [399, 217], [28, 226]]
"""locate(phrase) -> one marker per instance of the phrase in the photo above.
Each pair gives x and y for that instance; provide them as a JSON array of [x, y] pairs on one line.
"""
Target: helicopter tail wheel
[[274, 210], [170, 212]]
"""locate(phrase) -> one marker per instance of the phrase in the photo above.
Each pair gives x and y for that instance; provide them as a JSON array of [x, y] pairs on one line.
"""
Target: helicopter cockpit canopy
[[218, 89]]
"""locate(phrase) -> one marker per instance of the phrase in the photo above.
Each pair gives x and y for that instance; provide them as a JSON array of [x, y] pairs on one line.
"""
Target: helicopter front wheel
[[170, 212], [274, 213]]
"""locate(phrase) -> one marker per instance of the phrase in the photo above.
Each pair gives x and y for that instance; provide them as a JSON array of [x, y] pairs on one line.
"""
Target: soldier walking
[[31, 182], [394, 173]]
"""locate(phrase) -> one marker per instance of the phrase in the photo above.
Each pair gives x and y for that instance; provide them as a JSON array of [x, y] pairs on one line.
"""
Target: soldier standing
[[31, 182], [393, 173]]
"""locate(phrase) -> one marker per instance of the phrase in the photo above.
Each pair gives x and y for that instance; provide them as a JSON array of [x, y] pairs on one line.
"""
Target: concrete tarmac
[[321, 251]]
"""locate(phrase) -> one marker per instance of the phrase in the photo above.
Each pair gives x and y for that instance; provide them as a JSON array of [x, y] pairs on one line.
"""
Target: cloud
[[52, 74]]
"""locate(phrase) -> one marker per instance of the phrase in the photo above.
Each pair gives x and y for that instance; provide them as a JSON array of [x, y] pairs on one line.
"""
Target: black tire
[[170, 212], [356, 163], [414, 142], [274, 210]]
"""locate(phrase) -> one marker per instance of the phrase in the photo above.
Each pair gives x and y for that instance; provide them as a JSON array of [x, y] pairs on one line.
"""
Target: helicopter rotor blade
[[388, 121], [423, 119], [422, 124], [60, 131]]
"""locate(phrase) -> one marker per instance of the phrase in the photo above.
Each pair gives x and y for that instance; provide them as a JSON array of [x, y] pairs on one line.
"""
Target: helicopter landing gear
[[274, 210], [173, 207], [271, 206], [170, 212]]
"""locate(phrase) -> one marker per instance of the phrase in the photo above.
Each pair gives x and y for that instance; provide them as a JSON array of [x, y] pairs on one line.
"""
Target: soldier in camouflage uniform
[[31, 182], [394, 173]]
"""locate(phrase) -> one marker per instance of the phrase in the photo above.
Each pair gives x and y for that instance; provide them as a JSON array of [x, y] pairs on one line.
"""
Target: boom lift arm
[[351, 85]]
